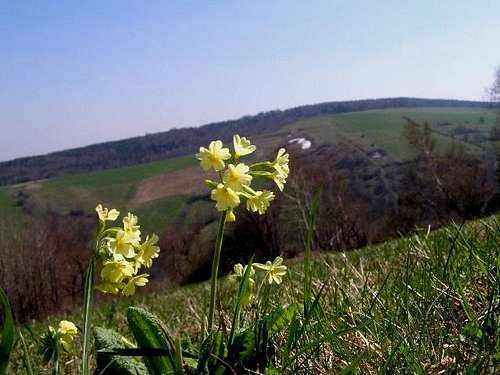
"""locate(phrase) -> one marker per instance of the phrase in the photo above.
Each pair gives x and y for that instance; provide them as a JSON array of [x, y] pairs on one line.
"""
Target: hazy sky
[[76, 73]]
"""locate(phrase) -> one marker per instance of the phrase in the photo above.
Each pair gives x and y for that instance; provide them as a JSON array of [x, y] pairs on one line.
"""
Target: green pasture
[[383, 128]]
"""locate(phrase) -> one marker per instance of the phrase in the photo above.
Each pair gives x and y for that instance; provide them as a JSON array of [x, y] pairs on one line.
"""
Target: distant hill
[[178, 142]]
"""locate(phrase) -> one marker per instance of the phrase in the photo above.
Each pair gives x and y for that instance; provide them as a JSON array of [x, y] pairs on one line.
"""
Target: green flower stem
[[55, 370], [308, 250], [26, 354], [87, 314], [215, 271]]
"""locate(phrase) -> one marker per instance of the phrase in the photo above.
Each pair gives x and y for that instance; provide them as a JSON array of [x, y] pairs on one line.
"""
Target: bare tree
[[494, 90]]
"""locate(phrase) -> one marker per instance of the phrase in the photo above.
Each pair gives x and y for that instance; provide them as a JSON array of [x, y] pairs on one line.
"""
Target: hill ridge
[[182, 141]]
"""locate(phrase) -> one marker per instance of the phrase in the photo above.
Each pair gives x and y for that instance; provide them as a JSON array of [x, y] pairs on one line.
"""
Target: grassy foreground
[[428, 303]]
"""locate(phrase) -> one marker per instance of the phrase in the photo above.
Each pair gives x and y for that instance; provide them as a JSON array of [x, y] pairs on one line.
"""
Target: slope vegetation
[[427, 303]]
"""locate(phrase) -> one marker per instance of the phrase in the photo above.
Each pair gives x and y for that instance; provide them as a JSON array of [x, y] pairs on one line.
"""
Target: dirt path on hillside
[[185, 181]]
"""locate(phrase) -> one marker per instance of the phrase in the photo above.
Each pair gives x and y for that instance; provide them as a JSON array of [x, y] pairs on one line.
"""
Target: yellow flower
[[260, 201], [130, 223], [281, 169], [67, 332], [148, 251], [67, 328], [237, 177], [230, 216], [124, 243], [105, 214], [279, 180], [280, 164], [242, 146], [274, 271], [239, 270], [139, 280], [115, 271], [214, 156], [225, 198]]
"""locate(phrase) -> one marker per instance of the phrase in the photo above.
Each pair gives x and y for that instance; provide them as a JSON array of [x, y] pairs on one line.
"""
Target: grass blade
[[87, 315], [8, 333], [26, 355], [308, 250]]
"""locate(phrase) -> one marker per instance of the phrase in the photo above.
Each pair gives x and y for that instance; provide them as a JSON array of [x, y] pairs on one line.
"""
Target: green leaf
[[48, 343], [472, 330], [212, 351], [149, 333], [281, 318], [244, 346], [272, 371], [8, 333], [106, 341], [254, 344]]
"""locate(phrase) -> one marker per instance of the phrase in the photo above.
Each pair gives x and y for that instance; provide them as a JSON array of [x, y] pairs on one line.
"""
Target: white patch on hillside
[[303, 142]]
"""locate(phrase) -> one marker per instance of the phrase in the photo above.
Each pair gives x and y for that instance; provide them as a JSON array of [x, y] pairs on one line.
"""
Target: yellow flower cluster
[[123, 254], [236, 177]]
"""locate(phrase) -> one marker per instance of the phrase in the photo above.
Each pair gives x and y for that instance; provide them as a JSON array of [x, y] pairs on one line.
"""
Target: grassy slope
[[114, 186], [382, 128], [9, 211], [420, 304], [369, 129]]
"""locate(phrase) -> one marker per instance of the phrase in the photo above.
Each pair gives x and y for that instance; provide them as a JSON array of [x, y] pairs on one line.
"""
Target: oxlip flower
[[213, 156], [105, 214], [130, 223], [124, 243], [139, 280], [148, 251], [239, 270], [260, 201], [237, 176], [67, 332], [281, 168], [115, 271], [280, 164], [230, 216], [279, 179], [242, 146], [225, 198], [274, 270]]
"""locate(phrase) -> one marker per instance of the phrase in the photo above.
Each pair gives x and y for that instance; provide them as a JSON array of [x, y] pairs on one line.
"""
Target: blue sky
[[76, 73]]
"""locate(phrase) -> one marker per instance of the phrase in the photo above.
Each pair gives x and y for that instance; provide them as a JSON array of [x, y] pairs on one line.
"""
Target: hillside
[[372, 140], [426, 303], [377, 183], [178, 142]]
